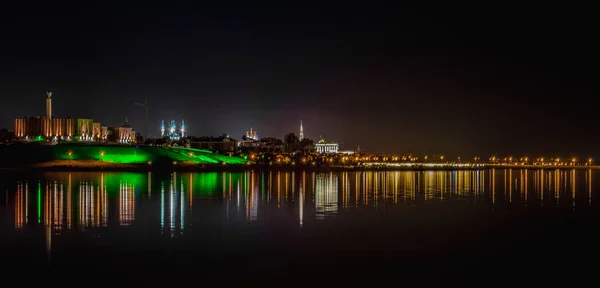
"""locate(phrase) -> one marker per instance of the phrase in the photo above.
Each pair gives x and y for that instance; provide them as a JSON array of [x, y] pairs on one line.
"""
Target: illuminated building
[[47, 128], [326, 147], [49, 104], [123, 134], [252, 135], [182, 129], [250, 139], [301, 137], [173, 133]]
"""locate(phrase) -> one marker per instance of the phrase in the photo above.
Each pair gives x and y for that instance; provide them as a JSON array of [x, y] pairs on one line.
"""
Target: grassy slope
[[29, 154]]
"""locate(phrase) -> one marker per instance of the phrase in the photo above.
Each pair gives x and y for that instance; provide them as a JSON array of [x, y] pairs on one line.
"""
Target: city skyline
[[415, 81], [299, 142]]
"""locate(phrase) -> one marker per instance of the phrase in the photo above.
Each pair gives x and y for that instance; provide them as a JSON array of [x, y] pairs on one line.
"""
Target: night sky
[[503, 80]]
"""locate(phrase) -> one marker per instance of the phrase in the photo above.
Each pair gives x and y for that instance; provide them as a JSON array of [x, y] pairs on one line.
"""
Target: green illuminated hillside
[[27, 154]]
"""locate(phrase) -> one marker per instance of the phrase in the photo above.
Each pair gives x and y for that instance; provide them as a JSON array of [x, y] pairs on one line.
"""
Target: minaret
[[49, 104], [162, 128], [172, 129], [182, 129], [301, 136]]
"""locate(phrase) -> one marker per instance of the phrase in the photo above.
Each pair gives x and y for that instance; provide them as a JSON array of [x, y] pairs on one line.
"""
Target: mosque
[[173, 133]]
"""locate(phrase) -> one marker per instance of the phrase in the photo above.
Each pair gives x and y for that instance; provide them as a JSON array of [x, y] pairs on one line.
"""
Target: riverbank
[[93, 165]]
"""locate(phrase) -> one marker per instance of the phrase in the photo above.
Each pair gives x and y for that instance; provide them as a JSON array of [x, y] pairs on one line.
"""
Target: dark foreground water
[[497, 226]]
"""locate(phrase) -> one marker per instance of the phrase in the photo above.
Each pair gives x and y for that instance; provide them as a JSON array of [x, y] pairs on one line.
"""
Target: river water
[[495, 223]]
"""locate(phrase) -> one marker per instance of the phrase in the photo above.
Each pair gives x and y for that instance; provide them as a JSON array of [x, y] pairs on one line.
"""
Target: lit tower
[[162, 128], [49, 104], [173, 128], [182, 129], [301, 136]]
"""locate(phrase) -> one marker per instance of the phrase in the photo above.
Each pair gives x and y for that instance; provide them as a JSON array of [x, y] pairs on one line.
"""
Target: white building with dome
[[326, 147]]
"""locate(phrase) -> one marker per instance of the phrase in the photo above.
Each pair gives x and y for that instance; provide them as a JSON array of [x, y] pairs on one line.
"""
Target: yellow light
[[102, 153]]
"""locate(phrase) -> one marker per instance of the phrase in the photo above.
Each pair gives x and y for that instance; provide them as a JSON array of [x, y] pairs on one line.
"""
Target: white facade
[[323, 147]]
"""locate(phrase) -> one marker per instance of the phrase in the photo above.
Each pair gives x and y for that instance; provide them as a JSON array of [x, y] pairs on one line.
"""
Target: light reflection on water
[[171, 204], [66, 201]]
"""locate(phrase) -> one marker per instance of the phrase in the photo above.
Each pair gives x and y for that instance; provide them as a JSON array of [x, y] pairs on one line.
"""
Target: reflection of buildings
[[54, 203], [252, 198], [126, 203], [93, 205], [326, 147], [172, 206], [63, 204], [59, 205], [49, 128], [326, 195], [21, 205]]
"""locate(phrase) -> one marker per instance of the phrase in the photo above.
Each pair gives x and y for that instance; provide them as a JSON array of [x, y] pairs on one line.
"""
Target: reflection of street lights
[[102, 156], [70, 154]]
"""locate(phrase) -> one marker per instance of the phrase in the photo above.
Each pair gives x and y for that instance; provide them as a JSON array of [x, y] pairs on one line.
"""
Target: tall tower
[[49, 104], [301, 136], [182, 129], [162, 128], [173, 128]]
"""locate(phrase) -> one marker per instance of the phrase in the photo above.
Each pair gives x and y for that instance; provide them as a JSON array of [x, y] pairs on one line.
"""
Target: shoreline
[[260, 167]]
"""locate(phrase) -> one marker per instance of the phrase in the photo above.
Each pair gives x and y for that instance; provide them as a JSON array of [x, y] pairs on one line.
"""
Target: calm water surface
[[285, 224]]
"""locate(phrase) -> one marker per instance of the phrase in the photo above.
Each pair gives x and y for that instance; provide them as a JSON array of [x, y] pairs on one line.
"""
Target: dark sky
[[457, 80]]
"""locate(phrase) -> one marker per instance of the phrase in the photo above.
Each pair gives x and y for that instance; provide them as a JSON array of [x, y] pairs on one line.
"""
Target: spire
[[301, 136], [49, 104], [182, 128]]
